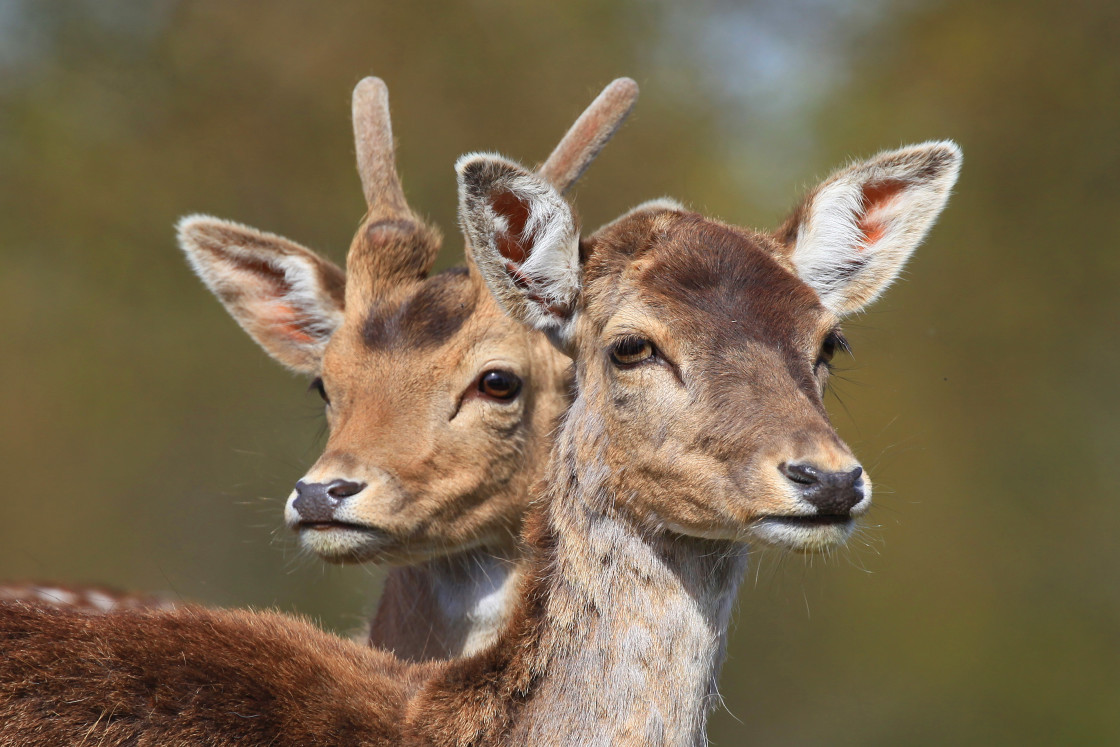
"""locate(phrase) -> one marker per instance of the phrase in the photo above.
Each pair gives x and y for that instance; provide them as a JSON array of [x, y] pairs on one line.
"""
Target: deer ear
[[285, 296], [851, 236], [525, 241]]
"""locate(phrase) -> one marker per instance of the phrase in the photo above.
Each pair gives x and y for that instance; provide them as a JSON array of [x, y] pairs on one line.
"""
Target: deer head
[[702, 349], [435, 401]]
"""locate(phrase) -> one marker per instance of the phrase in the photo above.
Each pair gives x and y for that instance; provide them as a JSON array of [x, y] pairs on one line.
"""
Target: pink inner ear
[[266, 302], [510, 206], [279, 319], [285, 320], [876, 196]]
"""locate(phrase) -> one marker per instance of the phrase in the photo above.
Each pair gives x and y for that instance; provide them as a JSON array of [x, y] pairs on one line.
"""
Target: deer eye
[[317, 385], [835, 341], [631, 350], [498, 384]]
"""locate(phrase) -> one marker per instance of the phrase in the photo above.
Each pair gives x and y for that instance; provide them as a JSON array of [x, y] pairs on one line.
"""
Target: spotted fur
[[90, 598]]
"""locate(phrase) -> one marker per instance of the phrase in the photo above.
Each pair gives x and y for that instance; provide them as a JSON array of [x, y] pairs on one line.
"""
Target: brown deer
[[439, 406], [455, 598], [701, 354]]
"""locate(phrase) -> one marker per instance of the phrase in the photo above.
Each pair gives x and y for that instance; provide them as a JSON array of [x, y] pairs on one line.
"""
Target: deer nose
[[317, 501], [833, 493]]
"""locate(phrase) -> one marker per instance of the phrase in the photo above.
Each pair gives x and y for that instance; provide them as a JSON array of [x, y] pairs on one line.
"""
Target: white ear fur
[[525, 241], [854, 233], [286, 297]]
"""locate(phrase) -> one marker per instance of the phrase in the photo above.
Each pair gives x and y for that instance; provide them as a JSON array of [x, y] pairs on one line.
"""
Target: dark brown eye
[[630, 351], [500, 384], [317, 385], [834, 342]]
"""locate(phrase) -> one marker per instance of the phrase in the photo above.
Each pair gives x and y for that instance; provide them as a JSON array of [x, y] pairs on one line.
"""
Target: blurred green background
[[145, 442]]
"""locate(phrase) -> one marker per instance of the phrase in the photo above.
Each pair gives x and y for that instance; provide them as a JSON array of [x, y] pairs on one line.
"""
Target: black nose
[[317, 501], [833, 493]]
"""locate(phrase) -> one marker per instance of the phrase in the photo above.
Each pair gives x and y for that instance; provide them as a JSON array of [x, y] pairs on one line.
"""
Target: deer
[[701, 352], [439, 407], [443, 495]]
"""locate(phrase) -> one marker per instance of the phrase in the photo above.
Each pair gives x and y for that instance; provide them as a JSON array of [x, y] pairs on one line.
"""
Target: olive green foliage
[[147, 443]]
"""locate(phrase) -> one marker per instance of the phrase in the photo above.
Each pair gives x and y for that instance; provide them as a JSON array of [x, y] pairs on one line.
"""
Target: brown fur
[[659, 473], [191, 677], [400, 355]]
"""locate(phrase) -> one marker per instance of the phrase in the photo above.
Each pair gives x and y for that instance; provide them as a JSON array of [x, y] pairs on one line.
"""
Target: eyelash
[[640, 346], [833, 342], [317, 386]]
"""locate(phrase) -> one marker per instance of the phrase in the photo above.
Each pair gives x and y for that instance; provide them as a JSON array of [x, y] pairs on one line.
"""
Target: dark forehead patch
[[427, 318], [727, 280]]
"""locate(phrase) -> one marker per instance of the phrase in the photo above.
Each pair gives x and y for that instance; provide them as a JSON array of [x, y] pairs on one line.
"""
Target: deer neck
[[617, 636], [634, 628], [446, 607]]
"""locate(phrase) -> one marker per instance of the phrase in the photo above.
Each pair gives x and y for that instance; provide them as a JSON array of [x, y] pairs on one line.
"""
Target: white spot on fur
[[100, 601], [58, 596]]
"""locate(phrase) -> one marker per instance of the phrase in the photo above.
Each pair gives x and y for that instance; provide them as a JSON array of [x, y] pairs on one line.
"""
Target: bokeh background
[[145, 442]]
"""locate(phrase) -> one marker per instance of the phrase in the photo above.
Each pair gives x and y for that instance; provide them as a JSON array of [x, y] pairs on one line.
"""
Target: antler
[[392, 244], [373, 140], [583, 141]]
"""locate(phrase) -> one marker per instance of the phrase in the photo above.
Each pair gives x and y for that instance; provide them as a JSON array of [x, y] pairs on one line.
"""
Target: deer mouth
[[804, 533], [343, 541], [816, 520], [322, 526]]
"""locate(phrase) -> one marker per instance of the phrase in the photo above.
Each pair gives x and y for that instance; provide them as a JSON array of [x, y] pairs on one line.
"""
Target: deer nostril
[[340, 489], [846, 479], [802, 474]]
